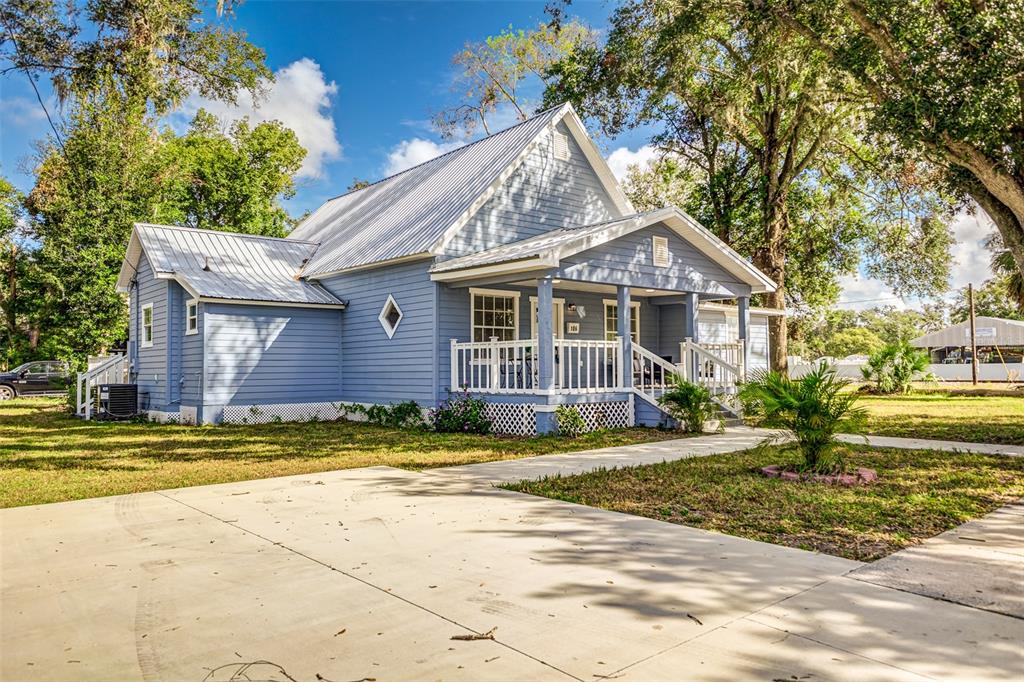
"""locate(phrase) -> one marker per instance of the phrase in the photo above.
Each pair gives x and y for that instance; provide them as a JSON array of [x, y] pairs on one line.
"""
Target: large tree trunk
[[771, 259], [1007, 222]]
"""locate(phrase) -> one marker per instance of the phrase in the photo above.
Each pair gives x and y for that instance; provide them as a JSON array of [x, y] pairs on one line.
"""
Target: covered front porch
[[545, 330]]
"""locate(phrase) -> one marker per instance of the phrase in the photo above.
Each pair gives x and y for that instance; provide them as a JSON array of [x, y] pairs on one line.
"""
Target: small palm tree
[[691, 404], [895, 367], [813, 409]]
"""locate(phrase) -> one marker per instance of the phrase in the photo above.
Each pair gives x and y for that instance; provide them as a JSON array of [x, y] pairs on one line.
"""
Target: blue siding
[[629, 260], [672, 329], [376, 369], [543, 194], [191, 364], [271, 354], [151, 362]]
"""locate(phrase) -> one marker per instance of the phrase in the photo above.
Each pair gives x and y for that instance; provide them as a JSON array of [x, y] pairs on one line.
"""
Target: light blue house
[[502, 267]]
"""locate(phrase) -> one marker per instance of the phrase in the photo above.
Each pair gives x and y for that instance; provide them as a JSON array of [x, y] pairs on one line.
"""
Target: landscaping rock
[[861, 475]]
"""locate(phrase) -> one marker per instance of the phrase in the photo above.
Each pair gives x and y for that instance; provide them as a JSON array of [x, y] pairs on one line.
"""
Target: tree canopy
[[790, 174]]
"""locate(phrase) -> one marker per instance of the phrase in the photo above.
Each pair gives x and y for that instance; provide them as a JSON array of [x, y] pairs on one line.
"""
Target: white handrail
[[651, 374], [113, 370], [580, 366], [705, 367]]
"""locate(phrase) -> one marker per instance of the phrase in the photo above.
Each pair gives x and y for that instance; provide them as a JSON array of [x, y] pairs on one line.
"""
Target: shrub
[[404, 415], [813, 409], [893, 368], [691, 404], [570, 421], [460, 413]]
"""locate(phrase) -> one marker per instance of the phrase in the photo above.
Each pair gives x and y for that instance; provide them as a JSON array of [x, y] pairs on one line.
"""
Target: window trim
[[475, 291], [188, 318], [659, 244], [382, 317], [634, 305], [143, 343]]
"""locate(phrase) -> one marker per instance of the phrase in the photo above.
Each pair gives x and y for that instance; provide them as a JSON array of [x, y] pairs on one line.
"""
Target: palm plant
[[691, 404], [893, 368], [813, 409]]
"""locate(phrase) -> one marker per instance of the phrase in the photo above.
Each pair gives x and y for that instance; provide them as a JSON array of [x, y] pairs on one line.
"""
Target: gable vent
[[660, 245], [560, 144]]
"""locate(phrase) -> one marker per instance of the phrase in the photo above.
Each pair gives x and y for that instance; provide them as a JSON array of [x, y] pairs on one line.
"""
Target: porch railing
[[581, 366], [113, 370], [718, 366]]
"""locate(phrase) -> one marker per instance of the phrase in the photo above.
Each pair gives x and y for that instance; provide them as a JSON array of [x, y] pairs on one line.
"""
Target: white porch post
[[546, 336], [743, 310], [625, 316], [690, 331]]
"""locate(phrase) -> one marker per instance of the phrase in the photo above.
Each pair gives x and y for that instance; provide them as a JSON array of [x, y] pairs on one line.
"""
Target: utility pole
[[974, 341]]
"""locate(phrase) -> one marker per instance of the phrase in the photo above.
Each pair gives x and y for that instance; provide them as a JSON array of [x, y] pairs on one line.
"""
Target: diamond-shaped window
[[390, 316]]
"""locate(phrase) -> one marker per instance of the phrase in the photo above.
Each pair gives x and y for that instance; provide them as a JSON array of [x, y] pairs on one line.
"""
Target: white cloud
[[300, 98], [970, 264], [409, 153], [622, 158], [22, 112]]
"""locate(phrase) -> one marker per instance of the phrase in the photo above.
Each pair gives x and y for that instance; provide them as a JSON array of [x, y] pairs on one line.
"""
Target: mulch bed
[[856, 477]]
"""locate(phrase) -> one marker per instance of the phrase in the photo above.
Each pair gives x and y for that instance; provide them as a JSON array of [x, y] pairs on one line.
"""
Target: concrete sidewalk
[[370, 573]]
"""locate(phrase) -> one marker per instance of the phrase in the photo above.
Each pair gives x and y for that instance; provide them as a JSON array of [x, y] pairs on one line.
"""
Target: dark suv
[[41, 377]]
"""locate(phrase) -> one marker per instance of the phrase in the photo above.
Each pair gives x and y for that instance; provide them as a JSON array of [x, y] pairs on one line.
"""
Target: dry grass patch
[[47, 455], [920, 494]]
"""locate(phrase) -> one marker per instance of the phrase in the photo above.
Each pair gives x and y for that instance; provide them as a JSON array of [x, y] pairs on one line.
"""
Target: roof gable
[[418, 211]]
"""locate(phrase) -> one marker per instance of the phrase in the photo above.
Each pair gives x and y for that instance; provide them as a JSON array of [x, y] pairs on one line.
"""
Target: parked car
[[41, 377]]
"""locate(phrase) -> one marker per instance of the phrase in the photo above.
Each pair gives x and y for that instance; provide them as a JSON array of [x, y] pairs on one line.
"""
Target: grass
[[920, 494], [942, 416], [47, 455]]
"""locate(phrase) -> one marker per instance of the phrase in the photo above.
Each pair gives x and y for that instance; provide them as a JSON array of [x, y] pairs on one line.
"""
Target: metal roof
[[226, 265], [988, 331], [550, 247], [408, 213]]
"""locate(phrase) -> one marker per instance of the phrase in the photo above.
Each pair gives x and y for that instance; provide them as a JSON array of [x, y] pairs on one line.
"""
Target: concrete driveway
[[370, 573]]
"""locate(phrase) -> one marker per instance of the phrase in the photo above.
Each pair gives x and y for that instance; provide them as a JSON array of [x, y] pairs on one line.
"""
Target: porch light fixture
[[649, 291], [556, 281], [390, 316]]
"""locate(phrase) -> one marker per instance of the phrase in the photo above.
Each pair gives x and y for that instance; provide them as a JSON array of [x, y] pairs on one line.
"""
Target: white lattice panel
[[610, 415], [286, 412], [514, 420]]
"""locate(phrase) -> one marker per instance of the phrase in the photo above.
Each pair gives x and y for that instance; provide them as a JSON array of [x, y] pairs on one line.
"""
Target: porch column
[[545, 334], [691, 331], [743, 329], [545, 413], [625, 315]]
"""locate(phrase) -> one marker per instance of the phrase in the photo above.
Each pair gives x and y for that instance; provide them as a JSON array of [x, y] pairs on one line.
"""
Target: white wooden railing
[[113, 370], [718, 366], [580, 366], [651, 374]]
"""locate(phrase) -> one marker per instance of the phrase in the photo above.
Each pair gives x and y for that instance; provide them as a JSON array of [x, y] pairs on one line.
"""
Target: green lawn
[[46, 455], [919, 494], [981, 419]]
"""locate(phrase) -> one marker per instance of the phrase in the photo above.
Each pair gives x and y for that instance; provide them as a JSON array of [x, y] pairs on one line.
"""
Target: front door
[[557, 326]]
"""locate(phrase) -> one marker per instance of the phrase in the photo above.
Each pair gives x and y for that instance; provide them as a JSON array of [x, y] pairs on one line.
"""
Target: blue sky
[[358, 81]]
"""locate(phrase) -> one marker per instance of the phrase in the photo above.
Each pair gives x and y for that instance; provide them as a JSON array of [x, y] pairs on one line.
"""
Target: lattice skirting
[[608, 415], [512, 419], [285, 412], [521, 420]]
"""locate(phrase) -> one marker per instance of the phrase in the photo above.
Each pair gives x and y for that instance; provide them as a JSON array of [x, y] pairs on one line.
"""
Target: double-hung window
[[611, 320], [494, 314], [191, 317], [147, 325]]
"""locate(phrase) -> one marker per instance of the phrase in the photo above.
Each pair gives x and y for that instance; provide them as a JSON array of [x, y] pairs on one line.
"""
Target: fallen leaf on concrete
[[694, 618], [472, 638]]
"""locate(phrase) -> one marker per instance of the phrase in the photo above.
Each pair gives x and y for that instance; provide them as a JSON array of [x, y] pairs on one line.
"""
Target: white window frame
[[189, 317], [634, 305], [382, 318], [144, 329], [474, 292], [659, 247]]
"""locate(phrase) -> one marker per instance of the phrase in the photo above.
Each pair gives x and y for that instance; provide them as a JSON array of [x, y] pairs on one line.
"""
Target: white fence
[[987, 371]]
